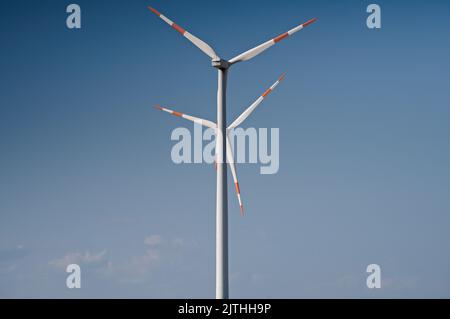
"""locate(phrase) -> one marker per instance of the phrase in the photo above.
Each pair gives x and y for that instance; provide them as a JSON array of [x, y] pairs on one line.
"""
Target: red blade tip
[[282, 77], [309, 22], [242, 210], [158, 107], [154, 11]]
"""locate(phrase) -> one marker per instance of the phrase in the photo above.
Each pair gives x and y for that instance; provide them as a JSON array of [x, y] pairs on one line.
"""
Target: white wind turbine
[[223, 146]]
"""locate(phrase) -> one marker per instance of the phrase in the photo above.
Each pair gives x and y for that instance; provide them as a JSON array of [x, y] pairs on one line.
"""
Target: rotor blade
[[230, 160], [252, 107], [196, 41], [188, 117], [262, 47]]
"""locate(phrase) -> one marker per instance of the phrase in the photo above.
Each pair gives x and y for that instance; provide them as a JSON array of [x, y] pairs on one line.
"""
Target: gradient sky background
[[86, 174]]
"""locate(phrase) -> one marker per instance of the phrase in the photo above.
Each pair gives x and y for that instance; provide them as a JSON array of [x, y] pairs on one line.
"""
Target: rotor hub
[[220, 64]]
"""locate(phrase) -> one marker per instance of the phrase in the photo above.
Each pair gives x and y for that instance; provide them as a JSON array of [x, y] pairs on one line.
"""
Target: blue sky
[[86, 174]]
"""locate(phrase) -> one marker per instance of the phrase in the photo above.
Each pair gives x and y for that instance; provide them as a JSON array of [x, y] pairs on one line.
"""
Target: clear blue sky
[[86, 174]]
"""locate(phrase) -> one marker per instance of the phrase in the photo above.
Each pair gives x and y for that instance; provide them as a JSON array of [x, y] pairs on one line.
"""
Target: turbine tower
[[223, 146]]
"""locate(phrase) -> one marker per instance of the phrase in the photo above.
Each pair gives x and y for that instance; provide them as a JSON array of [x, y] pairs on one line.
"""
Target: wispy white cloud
[[86, 258], [153, 240], [141, 268], [136, 269]]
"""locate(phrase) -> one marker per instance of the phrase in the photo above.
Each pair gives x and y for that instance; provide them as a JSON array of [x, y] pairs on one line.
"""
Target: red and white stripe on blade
[[241, 118], [262, 47], [230, 160], [196, 41], [188, 117]]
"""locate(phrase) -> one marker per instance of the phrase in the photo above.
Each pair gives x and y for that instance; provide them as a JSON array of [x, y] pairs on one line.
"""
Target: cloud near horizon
[[86, 258], [138, 268]]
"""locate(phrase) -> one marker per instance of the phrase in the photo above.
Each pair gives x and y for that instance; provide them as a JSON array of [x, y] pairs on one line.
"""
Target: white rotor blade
[[262, 47], [188, 117], [255, 104], [230, 160], [196, 41]]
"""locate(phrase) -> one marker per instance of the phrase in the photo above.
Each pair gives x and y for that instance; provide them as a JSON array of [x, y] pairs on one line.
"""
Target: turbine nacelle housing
[[219, 63]]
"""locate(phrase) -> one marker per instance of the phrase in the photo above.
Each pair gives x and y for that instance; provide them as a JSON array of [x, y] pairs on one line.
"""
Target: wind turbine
[[223, 147]]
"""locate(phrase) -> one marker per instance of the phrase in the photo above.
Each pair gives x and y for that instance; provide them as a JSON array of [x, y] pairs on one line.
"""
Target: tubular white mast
[[221, 195], [223, 148]]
